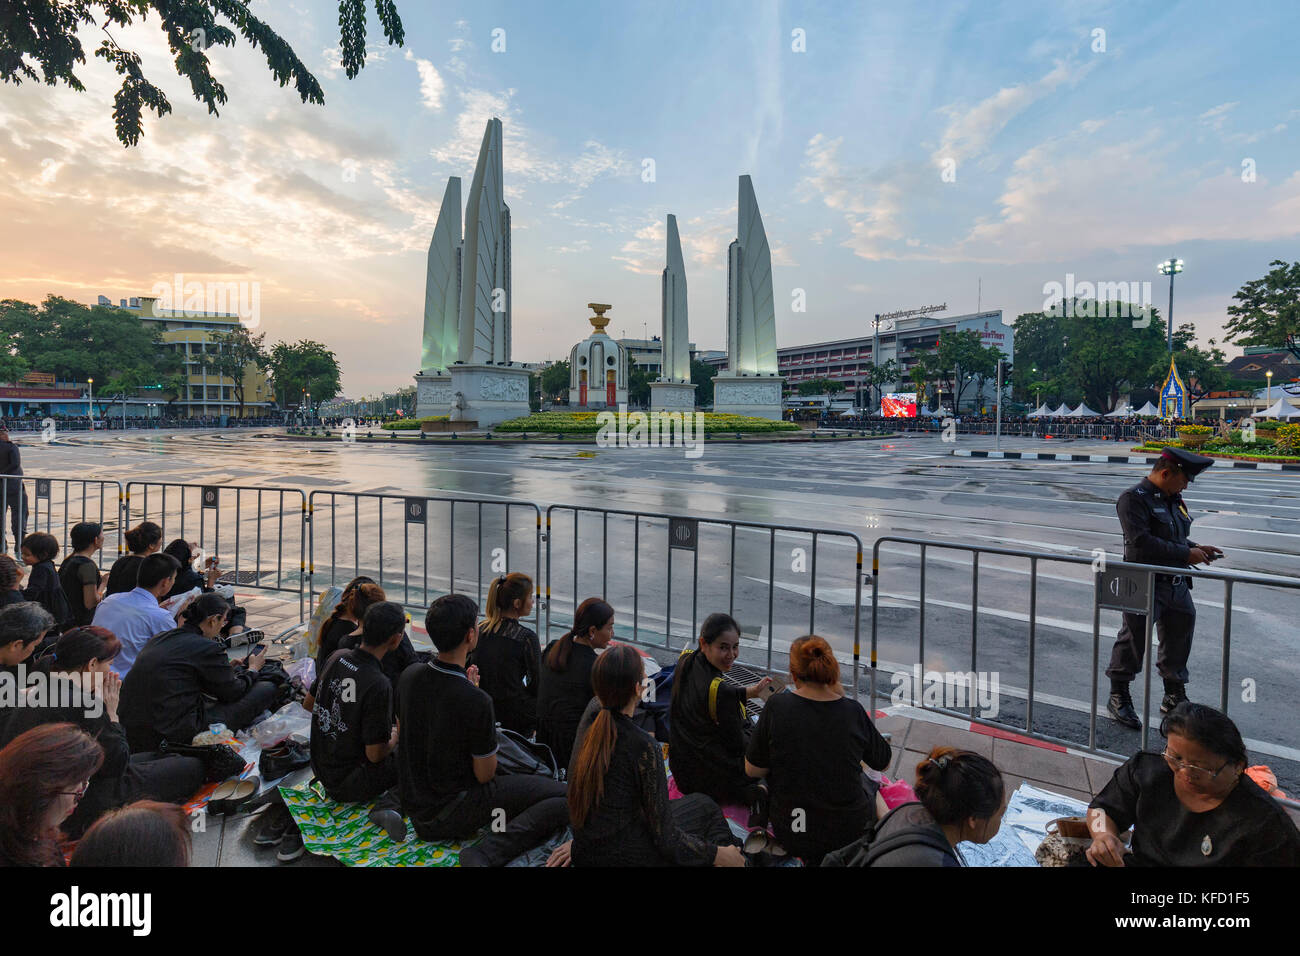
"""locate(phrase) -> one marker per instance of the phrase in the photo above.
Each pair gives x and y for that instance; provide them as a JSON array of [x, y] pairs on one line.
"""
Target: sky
[[902, 155]]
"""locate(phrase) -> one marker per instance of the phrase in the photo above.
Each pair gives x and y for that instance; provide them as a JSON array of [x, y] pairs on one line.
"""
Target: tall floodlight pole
[[90, 403], [1171, 268]]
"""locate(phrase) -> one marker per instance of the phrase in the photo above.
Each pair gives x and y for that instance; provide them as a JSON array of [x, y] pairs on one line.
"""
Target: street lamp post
[[1171, 268], [1268, 401], [90, 403]]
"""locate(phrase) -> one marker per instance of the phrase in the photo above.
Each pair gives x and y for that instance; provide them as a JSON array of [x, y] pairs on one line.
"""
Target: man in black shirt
[[447, 762], [352, 731], [1156, 524], [13, 496]]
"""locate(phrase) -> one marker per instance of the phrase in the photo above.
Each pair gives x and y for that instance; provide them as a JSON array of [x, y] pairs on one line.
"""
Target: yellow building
[[207, 394]]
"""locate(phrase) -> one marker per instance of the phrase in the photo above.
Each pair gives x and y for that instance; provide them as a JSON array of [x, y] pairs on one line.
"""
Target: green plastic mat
[[342, 830]]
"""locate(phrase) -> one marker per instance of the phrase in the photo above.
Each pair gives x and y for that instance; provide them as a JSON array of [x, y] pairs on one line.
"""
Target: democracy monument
[[466, 370]]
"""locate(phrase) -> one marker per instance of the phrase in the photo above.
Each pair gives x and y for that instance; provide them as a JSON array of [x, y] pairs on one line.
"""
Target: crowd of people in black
[[1129, 428], [139, 658]]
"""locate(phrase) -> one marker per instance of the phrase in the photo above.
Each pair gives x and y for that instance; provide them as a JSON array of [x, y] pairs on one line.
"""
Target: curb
[[1114, 459], [583, 440]]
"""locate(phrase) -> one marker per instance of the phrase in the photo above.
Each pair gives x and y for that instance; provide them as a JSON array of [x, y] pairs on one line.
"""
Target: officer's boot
[[1175, 694], [1120, 706]]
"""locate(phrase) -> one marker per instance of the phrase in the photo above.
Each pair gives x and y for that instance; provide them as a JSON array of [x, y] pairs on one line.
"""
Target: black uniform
[[1155, 532], [13, 496]]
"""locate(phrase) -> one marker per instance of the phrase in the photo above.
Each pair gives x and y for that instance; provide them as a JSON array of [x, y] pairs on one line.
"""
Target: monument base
[[433, 393], [672, 397], [758, 396], [488, 394]]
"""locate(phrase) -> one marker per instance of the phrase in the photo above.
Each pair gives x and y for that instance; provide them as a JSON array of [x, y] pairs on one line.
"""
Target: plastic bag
[[289, 721], [302, 670]]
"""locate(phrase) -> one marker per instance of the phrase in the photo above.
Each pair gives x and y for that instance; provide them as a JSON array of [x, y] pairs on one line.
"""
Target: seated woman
[[187, 579], [508, 654], [142, 540], [564, 682], [360, 594], [962, 799], [182, 681], [87, 697], [618, 789], [709, 728], [43, 773], [810, 743], [11, 582], [143, 833], [79, 575], [1193, 804], [43, 585]]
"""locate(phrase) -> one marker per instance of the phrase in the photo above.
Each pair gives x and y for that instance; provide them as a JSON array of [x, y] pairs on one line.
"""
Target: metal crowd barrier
[[54, 505], [245, 526], [370, 534], [1118, 585], [743, 559]]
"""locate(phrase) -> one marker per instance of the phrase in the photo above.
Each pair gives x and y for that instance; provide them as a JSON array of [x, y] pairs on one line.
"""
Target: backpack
[[516, 754], [867, 849]]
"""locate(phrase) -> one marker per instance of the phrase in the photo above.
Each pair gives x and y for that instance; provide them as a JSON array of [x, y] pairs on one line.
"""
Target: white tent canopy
[[1083, 411], [1040, 411], [1279, 409], [1147, 409], [1121, 411], [1060, 412]]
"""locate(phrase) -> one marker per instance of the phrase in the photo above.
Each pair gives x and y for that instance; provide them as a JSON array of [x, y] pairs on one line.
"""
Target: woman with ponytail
[[618, 789], [564, 681], [810, 743], [142, 540], [344, 623], [85, 692], [508, 655]]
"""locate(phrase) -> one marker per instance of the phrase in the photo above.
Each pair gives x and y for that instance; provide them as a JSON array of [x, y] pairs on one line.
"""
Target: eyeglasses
[[79, 792], [1193, 772]]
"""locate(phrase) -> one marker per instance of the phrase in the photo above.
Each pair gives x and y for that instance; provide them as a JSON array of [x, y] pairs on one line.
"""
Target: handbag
[[219, 760], [1066, 843], [517, 754]]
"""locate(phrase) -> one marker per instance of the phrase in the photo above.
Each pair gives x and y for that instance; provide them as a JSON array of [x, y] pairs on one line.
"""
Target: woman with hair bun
[[508, 655], [564, 683], [810, 744], [961, 800]]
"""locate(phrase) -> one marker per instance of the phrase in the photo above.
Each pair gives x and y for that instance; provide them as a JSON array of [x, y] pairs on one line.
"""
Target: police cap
[[1191, 463]]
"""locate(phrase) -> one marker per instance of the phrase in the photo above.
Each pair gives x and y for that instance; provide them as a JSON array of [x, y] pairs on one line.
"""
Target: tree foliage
[[77, 343], [303, 368], [820, 386], [702, 374], [555, 380], [238, 351], [39, 41], [1268, 309]]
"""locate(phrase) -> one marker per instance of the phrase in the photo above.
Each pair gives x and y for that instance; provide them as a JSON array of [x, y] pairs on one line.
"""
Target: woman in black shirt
[[810, 743], [79, 575], [507, 654], [187, 579], [618, 790], [11, 582], [43, 586], [1193, 804], [143, 540], [564, 683]]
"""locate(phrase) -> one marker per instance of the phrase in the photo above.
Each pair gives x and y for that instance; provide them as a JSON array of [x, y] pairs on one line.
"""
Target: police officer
[[1156, 523]]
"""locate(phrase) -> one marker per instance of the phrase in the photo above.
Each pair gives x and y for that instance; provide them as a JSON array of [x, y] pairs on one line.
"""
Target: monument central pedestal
[[488, 394], [758, 396]]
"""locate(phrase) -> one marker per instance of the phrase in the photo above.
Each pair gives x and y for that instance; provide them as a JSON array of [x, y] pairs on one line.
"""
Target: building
[[39, 394], [904, 340], [207, 394], [647, 354]]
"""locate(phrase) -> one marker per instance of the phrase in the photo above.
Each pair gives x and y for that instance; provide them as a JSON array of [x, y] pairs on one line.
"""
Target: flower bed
[[1223, 452], [412, 424], [589, 423]]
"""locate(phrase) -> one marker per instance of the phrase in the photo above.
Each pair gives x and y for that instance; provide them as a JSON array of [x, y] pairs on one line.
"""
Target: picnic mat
[[1029, 810], [342, 830]]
